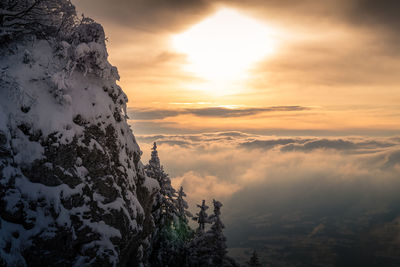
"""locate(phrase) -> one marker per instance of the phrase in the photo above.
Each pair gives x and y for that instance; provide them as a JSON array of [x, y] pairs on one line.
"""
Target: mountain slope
[[72, 188]]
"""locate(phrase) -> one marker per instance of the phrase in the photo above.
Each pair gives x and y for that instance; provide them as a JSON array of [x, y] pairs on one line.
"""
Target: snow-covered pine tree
[[165, 246], [154, 166], [164, 208], [254, 261], [182, 227], [217, 240], [183, 232], [182, 205]]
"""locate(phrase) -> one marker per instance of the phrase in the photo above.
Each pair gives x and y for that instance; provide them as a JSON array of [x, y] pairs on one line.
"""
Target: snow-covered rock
[[72, 188]]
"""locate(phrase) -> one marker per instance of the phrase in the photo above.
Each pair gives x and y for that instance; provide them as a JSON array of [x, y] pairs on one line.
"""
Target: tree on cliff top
[[43, 18]]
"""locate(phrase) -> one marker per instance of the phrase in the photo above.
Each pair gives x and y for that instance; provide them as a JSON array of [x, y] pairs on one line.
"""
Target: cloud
[[231, 133], [321, 198], [204, 186], [216, 112], [155, 127], [226, 112], [392, 159], [269, 144], [152, 114], [379, 13], [147, 16], [175, 143], [247, 141], [246, 160], [337, 144], [158, 15], [198, 139]]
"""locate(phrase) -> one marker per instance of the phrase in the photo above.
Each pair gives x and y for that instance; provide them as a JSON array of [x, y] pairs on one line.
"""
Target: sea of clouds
[[289, 197]]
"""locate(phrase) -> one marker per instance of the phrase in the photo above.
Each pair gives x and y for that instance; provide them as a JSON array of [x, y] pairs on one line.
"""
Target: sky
[[225, 65], [286, 111]]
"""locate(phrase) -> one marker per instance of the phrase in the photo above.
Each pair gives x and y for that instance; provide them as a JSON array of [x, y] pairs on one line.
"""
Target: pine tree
[[173, 241], [182, 230], [202, 216], [164, 238], [153, 169], [208, 248], [254, 261], [182, 205], [164, 208], [182, 227], [198, 249], [217, 238]]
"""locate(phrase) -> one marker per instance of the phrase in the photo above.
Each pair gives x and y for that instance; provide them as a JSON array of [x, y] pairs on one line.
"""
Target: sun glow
[[222, 48]]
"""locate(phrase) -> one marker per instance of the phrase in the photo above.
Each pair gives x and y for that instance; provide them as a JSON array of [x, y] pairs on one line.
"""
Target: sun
[[222, 48]]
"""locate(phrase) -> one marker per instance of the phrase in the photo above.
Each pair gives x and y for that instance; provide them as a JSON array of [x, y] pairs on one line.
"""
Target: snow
[[81, 50], [151, 184], [58, 79], [55, 94], [14, 258], [45, 85], [26, 151]]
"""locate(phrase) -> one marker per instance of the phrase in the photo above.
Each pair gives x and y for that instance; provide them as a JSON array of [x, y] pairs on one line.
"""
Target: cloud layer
[[291, 196], [216, 112], [159, 15]]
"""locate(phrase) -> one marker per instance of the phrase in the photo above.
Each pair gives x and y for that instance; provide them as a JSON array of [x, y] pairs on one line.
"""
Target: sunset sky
[[273, 67], [286, 111]]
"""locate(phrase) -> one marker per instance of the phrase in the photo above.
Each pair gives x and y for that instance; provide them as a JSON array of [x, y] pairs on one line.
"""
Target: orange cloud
[[199, 187]]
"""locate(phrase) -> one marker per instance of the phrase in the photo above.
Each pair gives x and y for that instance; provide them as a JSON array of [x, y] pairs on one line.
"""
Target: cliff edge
[[72, 187]]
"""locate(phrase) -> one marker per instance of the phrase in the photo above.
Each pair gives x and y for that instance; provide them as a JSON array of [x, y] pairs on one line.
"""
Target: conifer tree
[[182, 205], [164, 208], [164, 244], [153, 169], [197, 249], [173, 241], [254, 261], [182, 226], [202, 216], [217, 240], [208, 248], [182, 230]]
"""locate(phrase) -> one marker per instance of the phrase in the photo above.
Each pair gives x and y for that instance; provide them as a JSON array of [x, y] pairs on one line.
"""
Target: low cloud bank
[[289, 198]]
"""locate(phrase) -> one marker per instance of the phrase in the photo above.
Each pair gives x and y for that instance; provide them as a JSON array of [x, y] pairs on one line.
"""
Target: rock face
[[72, 188]]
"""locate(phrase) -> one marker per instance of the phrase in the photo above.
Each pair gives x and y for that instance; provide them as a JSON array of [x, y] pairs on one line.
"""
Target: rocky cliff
[[72, 187]]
